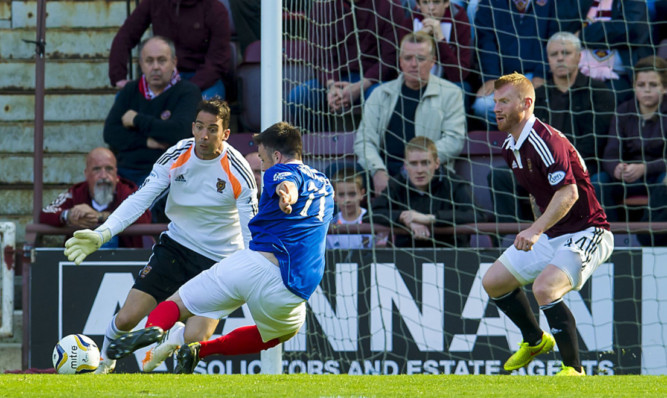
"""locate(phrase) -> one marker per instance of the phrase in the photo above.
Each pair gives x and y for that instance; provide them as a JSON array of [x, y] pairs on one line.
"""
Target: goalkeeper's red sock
[[244, 340], [165, 315]]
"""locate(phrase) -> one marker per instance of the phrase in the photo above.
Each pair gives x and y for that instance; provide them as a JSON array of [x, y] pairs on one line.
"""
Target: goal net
[[395, 302]]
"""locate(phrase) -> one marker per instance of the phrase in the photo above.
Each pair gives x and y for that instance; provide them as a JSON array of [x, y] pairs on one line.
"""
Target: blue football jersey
[[298, 239]]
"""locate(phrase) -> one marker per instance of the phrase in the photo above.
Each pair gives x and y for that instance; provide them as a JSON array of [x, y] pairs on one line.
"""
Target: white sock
[[112, 333], [178, 335]]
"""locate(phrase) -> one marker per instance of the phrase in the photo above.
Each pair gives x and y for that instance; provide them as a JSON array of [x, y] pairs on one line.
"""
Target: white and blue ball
[[76, 354]]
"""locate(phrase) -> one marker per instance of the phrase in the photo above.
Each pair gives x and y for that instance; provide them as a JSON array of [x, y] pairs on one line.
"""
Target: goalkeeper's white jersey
[[209, 202]]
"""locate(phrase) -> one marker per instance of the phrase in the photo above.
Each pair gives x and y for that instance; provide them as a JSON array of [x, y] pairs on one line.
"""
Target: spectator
[[449, 26], [89, 203], [572, 102], [510, 37], [152, 113], [256, 166], [635, 158], [578, 106], [657, 20], [425, 200], [415, 104], [354, 50], [200, 33], [350, 192], [247, 18], [615, 34]]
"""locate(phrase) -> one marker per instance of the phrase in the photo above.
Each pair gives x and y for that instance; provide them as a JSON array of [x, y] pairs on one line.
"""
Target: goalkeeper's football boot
[[132, 341], [570, 371], [187, 358], [527, 353], [170, 342]]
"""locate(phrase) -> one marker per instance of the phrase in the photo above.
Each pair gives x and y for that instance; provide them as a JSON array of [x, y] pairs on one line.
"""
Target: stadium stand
[[242, 142], [480, 153], [75, 109], [250, 83]]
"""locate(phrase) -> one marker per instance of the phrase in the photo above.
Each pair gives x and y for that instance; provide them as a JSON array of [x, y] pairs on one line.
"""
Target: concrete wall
[[78, 96]]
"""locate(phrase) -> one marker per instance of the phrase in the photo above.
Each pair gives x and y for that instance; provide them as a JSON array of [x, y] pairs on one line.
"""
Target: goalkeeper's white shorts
[[246, 277], [577, 254]]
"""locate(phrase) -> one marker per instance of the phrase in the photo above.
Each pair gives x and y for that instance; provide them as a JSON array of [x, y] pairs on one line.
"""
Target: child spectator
[[350, 192], [634, 159], [449, 26]]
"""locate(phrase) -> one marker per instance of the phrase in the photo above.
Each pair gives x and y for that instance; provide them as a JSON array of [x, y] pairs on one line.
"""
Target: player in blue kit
[[275, 276]]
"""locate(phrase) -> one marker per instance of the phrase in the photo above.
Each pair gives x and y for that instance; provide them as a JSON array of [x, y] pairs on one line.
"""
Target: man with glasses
[[416, 104]]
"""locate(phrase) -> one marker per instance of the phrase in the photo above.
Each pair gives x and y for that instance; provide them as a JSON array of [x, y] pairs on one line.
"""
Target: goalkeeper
[[212, 198]]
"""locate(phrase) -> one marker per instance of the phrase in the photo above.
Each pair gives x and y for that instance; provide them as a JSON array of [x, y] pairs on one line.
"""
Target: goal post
[[271, 89]]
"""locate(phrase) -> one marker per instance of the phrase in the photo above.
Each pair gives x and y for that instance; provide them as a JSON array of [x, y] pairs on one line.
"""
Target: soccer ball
[[75, 354]]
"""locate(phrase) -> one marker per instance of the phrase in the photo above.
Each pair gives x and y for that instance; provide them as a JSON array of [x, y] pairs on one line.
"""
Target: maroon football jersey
[[543, 161]]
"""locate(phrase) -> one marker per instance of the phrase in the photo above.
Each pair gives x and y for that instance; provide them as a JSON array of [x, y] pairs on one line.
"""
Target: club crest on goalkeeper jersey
[[297, 239]]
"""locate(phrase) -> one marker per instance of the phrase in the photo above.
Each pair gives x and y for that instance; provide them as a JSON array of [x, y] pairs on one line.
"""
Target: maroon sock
[[165, 315], [244, 340]]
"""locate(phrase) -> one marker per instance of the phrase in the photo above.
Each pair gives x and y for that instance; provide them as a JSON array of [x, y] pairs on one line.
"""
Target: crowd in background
[[420, 74]]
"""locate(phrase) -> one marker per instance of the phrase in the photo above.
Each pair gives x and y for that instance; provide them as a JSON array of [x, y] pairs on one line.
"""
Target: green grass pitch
[[334, 386]]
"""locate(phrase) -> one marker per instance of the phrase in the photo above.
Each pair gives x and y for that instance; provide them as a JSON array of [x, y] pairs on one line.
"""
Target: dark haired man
[[212, 198], [274, 277]]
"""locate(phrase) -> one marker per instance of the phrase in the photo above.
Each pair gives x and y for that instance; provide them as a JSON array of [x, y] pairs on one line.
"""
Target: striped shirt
[[543, 161], [209, 203]]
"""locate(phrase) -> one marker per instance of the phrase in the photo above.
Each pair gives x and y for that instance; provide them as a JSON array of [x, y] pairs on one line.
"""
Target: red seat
[[242, 142], [481, 152], [662, 49], [250, 84], [322, 149], [480, 143]]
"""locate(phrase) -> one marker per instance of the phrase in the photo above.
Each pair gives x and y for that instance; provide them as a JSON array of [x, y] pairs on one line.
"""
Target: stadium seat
[[147, 241], [481, 152], [480, 241], [242, 142], [626, 240], [296, 55], [323, 149], [507, 241], [249, 91], [662, 49]]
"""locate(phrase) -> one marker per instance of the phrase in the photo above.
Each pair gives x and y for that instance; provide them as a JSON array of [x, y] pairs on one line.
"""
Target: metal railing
[[34, 232]]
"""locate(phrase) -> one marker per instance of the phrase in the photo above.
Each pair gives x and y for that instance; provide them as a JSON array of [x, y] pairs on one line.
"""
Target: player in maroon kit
[[569, 239]]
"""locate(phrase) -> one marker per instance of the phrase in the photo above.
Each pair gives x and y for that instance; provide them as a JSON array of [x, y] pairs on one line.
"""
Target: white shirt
[[209, 203], [349, 241]]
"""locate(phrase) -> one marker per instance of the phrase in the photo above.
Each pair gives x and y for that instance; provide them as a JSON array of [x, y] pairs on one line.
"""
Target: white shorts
[[577, 254], [246, 277]]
